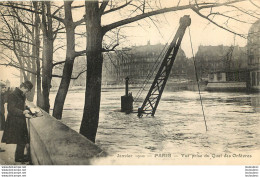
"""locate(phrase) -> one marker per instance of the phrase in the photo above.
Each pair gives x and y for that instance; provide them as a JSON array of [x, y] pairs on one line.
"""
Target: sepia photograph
[[129, 82]]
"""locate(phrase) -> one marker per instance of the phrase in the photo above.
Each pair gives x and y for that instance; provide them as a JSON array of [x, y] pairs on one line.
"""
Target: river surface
[[232, 119]]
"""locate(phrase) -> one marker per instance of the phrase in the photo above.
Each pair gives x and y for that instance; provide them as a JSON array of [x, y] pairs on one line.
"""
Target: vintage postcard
[[127, 82]]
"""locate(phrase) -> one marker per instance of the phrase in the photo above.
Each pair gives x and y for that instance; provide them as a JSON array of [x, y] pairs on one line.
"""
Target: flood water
[[232, 119]]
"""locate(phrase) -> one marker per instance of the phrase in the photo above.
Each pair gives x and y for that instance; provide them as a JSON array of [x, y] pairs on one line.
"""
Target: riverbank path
[[7, 157]]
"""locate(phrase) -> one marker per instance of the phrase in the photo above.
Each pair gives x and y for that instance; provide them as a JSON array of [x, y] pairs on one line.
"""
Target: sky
[[139, 33]]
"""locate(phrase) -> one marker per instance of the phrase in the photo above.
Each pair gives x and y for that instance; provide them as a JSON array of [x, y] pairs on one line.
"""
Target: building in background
[[224, 67], [215, 59], [253, 50], [138, 62], [221, 65], [241, 69]]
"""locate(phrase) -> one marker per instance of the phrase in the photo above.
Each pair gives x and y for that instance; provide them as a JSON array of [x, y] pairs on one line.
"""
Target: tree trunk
[[47, 72], [90, 118], [38, 66], [32, 66], [37, 56], [68, 66], [47, 55], [33, 80]]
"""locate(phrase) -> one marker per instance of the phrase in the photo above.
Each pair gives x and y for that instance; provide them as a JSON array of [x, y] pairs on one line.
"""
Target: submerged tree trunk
[[90, 118], [68, 66]]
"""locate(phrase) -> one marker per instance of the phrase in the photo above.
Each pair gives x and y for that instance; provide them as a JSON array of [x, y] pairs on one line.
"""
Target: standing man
[[2, 108], [15, 131]]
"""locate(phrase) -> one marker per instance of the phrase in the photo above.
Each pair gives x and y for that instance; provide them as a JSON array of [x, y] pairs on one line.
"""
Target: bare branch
[[19, 67], [112, 49], [80, 53], [103, 7], [117, 8], [57, 10], [75, 7], [242, 10], [17, 7], [217, 13], [74, 78], [110, 58], [210, 5], [58, 29], [137, 7], [58, 63], [76, 54], [178, 3], [21, 21], [77, 23], [16, 40], [9, 57], [254, 4], [165, 10], [58, 18], [60, 47], [79, 74], [33, 11], [55, 32], [144, 15], [203, 16]]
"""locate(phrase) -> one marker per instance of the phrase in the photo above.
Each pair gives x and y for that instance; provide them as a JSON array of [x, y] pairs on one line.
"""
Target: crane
[[153, 97]]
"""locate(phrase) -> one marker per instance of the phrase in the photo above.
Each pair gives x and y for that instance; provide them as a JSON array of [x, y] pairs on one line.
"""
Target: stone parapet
[[54, 143]]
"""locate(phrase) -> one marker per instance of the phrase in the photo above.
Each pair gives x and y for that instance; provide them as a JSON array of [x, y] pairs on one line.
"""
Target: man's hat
[[28, 85]]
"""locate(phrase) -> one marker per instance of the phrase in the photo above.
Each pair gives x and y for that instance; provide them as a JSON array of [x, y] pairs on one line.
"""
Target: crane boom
[[154, 95]]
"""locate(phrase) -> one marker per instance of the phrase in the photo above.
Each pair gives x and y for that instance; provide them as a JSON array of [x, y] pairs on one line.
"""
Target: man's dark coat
[[15, 131], [2, 110]]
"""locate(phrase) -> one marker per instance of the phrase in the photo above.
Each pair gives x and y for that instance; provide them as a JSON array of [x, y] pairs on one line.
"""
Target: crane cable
[[150, 74], [153, 69], [197, 81]]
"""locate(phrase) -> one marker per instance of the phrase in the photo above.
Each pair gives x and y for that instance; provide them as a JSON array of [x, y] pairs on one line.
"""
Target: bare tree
[[71, 54], [18, 37], [129, 11], [39, 24], [36, 53], [95, 32], [45, 16]]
